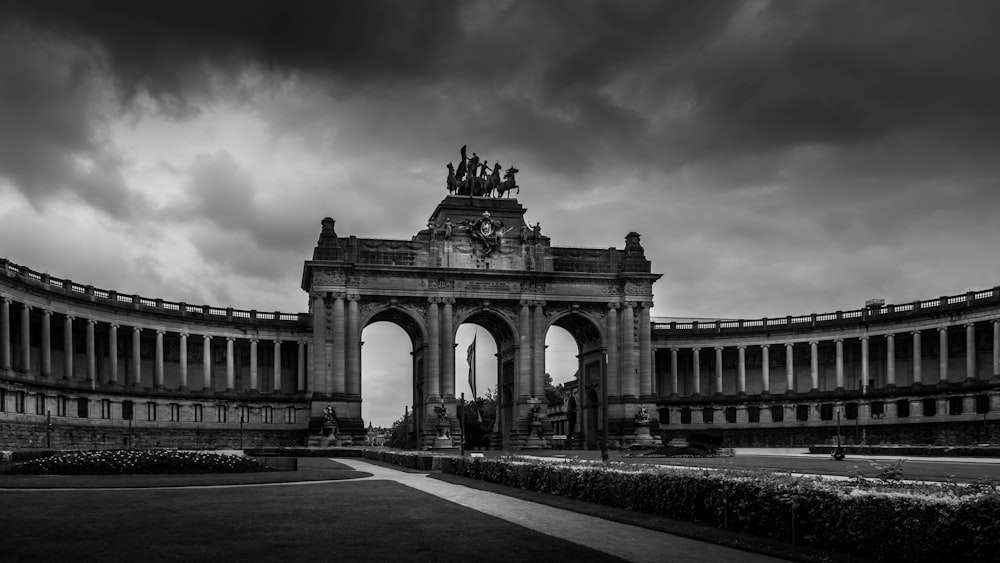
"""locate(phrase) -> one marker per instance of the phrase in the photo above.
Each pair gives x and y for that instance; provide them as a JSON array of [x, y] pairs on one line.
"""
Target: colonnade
[[133, 375], [862, 344]]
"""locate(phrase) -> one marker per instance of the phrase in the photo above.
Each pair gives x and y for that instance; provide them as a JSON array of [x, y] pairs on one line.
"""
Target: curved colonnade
[[86, 367], [923, 372]]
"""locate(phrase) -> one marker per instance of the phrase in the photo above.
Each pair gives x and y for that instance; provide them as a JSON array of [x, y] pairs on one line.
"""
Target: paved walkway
[[621, 540]]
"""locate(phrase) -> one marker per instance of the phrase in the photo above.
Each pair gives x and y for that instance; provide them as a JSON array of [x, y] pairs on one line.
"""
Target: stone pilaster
[[890, 360], [5, 333], [113, 354], [765, 368], [970, 352], [814, 365], [790, 366], [339, 361], [865, 379], [448, 348], [136, 357], [741, 370], [276, 375], [46, 342], [695, 372], [300, 374], [538, 349], [718, 370], [91, 353], [68, 348], [613, 373], [840, 363], [645, 352], [917, 371], [627, 345], [943, 353], [207, 364], [183, 361], [26, 338], [673, 372], [524, 351], [158, 363], [353, 360], [254, 381], [230, 365]]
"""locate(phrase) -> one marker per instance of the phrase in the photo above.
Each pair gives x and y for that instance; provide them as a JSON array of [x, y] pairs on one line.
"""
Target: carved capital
[[47, 312], [91, 321], [614, 305], [741, 347], [942, 328], [114, 325], [207, 337], [136, 329], [183, 335], [789, 344], [161, 332], [629, 304], [230, 339], [448, 300], [765, 346]]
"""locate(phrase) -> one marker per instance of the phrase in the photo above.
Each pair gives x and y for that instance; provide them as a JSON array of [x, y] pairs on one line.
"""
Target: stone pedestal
[[443, 438], [642, 435], [535, 437]]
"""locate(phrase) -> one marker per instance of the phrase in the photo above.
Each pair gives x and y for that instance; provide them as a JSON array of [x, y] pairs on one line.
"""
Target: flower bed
[[883, 521], [116, 462]]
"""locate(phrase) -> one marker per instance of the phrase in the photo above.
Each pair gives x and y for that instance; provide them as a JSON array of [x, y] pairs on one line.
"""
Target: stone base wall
[[962, 433], [20, 436]]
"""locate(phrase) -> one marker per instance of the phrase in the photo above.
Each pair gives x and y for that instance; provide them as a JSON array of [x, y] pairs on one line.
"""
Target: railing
[[10, 269], [819, 319]]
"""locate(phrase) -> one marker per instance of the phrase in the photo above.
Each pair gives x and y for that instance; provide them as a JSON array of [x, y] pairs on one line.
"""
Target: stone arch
[[403, 317]]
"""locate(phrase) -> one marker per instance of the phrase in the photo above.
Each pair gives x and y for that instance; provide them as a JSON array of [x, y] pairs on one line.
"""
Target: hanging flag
[[471, 355]]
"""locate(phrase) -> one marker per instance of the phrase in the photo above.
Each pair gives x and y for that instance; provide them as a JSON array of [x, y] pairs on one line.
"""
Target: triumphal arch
[[478, 261]]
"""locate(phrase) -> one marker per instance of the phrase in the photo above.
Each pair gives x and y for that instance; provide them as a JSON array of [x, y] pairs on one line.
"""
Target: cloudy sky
[[777, 157]]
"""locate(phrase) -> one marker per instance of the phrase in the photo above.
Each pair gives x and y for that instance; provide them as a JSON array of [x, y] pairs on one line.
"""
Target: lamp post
[[838, 454], [604, 405]]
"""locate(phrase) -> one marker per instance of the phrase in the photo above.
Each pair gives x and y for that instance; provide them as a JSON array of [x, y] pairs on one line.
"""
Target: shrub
[[118, 462], [887, 519]]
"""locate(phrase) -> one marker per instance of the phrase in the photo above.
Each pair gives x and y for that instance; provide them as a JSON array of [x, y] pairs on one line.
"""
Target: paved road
[[631, 543]]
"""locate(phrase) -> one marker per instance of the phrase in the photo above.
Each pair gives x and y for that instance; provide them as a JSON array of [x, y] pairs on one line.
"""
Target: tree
[[400, 435], [553, 395]]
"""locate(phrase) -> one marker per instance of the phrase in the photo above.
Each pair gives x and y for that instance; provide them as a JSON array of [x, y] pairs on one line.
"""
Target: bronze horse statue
[[509, 182]]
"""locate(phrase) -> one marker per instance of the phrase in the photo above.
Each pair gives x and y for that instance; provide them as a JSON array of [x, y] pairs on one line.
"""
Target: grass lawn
[[350, 521]]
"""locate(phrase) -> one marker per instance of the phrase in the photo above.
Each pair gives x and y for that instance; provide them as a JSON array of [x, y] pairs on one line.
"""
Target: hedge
[[889, 523]]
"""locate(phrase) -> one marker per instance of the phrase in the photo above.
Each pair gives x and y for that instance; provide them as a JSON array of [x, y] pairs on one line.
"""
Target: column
[[970, 352], [538, 349], [613, 373], [5, 333], [183, 358], [864, 364], [943, 353], [673, 371], [158, 363], [433, 381], [695, 372], [68, 348], [996, 349], [645, 352], [741, 370], [136, 357], [765, 369], [91, 353], [789, 366], [46, 343], [524, 350], [840, 364], [625, 337], [448, 347], [26, 338], [322, 332], [718, 370], [230, 365], [339, 363], [917, 354], [353, 359], [253, 365], [300, 375], [206, 363], [890, 360], [814, 365], [277, 366], [113, 354]]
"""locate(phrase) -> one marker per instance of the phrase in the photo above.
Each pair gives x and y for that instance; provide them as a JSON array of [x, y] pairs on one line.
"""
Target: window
[[289, 414], [902, 408], [127, 408], [220, 413], [707, 415], [851, 411], [244, 413], [150, 411], [878, 409], [267, 415], [686, 415], [175, 412], [730, 414], [802, 413], [19, 402], [40, 403], [955, 405], [778, 413], [753, 414], [930, 407], [199, 413], [61, 405], [982, 404], [826, 411], [3, 400], [83, 407], [105, 408]]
